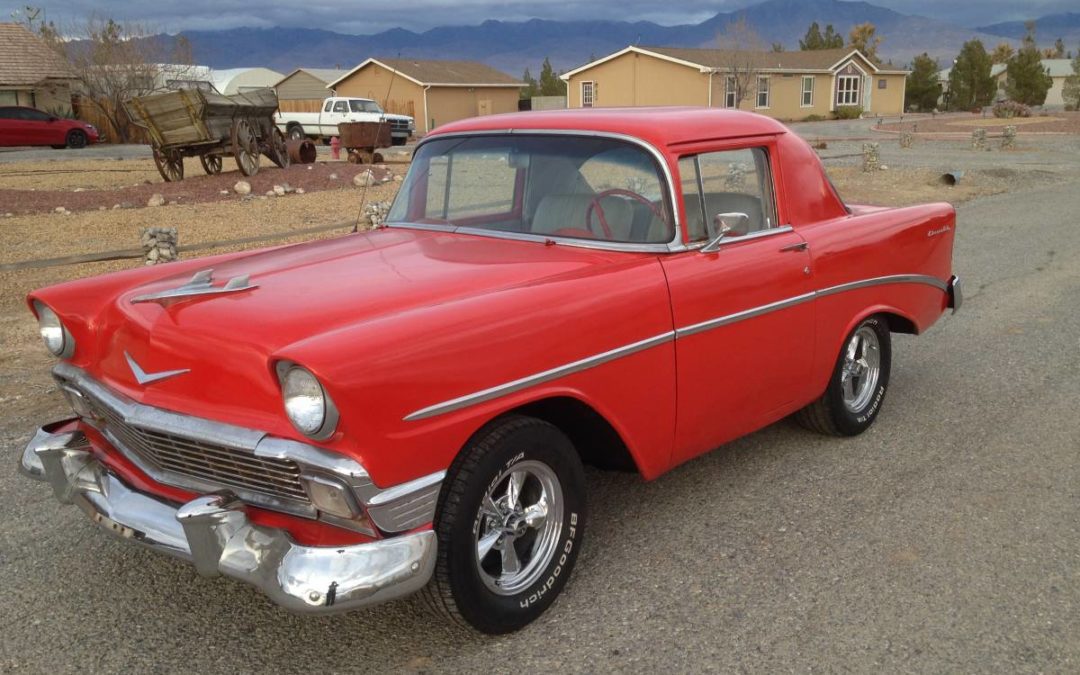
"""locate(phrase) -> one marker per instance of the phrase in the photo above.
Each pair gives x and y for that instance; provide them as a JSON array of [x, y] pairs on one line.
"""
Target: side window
[[341, 106], [35, 116], [328, 106], [731, 181]]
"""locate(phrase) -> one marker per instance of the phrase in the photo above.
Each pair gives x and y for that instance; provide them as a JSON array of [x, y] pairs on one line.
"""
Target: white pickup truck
[[338, 109]]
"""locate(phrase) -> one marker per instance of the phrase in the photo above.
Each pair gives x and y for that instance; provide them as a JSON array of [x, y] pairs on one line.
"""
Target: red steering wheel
[[595, 205]]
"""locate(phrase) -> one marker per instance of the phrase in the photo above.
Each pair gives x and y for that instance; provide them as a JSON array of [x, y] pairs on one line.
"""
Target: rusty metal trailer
[[208, 125], [362, 139]]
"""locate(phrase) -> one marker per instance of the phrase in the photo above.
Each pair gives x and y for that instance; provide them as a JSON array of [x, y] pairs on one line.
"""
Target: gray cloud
[[372, 16]]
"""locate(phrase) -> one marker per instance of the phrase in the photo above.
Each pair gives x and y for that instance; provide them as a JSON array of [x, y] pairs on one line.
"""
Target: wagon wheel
[[278, 154], [245, 147], [211, 164], [170, 164]]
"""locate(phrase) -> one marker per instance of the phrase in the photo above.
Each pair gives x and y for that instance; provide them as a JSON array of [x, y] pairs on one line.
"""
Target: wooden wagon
[[208, 125]]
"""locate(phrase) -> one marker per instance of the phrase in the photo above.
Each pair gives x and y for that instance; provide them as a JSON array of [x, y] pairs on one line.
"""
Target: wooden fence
[[88, 112]]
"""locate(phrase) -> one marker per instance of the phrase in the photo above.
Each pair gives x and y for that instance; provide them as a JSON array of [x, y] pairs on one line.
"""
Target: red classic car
[[343, 422], [20, 126]]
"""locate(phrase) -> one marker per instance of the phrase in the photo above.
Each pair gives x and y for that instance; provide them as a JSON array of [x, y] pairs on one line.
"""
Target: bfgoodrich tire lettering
[[476, 521], [856, 390]]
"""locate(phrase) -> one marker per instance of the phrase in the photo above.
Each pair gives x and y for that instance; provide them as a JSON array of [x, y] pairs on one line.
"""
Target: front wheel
[[510, 523], [296, 133], [857, 387], [76, 139]]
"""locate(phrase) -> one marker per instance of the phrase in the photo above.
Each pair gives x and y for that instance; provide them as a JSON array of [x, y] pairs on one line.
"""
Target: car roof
[[660, 126]]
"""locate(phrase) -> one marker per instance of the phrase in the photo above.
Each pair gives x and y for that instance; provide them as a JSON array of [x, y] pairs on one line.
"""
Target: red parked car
[[21, 126], [343, 422]]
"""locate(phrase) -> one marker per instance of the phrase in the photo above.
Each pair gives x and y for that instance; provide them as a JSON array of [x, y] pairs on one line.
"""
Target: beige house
[[432, 92], [31, 74], [785, 85], [304, 89], [1057, 69]]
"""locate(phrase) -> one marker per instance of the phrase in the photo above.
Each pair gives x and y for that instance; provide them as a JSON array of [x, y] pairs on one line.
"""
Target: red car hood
[[299, 292]]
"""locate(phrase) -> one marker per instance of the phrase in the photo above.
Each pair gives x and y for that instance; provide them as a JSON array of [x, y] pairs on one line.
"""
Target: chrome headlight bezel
[[60, 343], [295, 377]]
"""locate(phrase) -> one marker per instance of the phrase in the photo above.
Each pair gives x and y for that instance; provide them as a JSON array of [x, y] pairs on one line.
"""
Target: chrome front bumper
[[214, 533], [956, 293]]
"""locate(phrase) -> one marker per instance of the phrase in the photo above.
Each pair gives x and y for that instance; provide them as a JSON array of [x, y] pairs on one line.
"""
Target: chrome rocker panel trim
[[952, 287], [213, 533], [393, 509]]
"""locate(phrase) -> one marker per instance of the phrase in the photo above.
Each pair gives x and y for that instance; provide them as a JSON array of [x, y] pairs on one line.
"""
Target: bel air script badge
[[143, 377], [940, 230]]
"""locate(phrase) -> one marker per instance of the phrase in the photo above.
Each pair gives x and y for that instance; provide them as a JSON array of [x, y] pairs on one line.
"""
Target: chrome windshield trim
[[538, 378], [686, 331], [674, 246]]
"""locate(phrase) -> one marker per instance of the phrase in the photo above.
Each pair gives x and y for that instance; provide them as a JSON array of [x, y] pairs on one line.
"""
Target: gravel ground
[[945, 539], [1059, 123]]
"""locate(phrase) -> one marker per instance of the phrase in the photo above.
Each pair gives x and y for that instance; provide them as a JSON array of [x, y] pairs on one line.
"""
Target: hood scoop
[[202, 283]]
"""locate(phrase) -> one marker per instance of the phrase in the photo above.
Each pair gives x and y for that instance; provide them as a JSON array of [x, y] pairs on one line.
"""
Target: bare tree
[[742, 50], [112, 61]]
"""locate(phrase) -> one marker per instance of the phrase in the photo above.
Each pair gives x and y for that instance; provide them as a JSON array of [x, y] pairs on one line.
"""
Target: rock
[[884, 168], [116, 206], [978, 140], [223, 192], [288, 188], [9, 214], [299, 191], [332, 176], [242, 187], [364, 179], [310, 167], [101, 208], [871, 157], [79, 190], [153, 255], [398, 179], [59, 209], [278, 190], [126, 205], [263, 197], [156, 199]]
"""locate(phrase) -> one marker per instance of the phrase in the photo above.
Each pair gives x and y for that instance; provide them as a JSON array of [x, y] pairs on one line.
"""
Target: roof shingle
[[25, 59], [449, 72]]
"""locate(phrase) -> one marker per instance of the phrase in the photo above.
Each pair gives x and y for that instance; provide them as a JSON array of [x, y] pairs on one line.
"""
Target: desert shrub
[[1010, 109], [848, 112], [813, 118]]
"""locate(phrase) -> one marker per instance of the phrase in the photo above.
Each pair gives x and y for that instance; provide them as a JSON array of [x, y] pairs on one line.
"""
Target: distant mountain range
[[513, 46], [1048, 28]]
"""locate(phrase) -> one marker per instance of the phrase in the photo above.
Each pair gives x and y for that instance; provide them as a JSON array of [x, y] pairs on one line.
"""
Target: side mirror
[[733, 224]]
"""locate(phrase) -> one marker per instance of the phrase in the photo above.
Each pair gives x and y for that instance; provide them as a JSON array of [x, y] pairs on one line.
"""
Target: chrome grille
[[278, 479], [399, 125]]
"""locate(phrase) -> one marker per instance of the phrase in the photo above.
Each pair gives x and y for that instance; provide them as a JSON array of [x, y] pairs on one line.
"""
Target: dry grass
[[906, 187]]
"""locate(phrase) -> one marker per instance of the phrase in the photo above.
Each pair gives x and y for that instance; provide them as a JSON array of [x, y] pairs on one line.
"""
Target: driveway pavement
[[945, 539]]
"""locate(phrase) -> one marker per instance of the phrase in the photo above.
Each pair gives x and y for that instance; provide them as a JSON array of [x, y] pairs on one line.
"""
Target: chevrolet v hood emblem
[[143, 377]]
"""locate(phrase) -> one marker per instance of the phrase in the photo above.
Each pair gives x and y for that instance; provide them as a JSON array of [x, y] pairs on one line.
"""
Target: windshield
[[561, 186], [364, 106]]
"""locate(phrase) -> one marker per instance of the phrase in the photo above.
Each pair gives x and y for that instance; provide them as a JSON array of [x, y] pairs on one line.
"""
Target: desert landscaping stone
[[364, 179], [871, 157], [242, 187], [156, 200], [978, 139], [905, 140], [278, 190], [159, 245], [1008, 137]]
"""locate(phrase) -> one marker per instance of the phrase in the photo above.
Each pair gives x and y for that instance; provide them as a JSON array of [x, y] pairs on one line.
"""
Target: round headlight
[[309, 408], [56, 338]]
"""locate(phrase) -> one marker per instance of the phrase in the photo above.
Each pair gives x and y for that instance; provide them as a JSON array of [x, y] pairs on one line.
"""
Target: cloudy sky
[[372, 16]]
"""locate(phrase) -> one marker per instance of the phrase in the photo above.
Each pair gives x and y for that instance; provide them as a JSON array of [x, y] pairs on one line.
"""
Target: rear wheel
[[211, 164], [858, 384], [170, 164], [296, 133], [76, 139], [510, 523]]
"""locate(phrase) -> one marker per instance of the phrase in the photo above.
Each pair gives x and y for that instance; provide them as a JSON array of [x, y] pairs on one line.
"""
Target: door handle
[[800, 246]]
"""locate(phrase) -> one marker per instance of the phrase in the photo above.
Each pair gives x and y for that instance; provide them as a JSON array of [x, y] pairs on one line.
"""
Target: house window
[[807, 91], [882, 84], [587, 94], [762, 91], [847, 90], [731, 88]]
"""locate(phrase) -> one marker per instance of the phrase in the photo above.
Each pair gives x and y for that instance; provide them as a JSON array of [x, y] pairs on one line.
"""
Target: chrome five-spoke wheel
[[518, 527], [861, 369]]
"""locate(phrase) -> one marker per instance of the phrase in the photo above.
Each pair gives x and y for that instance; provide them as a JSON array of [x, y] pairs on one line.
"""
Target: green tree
[[863, 37], [531, 87], [832, 39], [923, 88], [970, 84], [550, 84], [1026, 81], [1071, 91], [815, 39], [1002, 53]]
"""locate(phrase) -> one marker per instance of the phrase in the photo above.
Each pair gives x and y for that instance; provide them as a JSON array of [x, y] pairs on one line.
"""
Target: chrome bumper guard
[[214, 533], [956, 293]]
